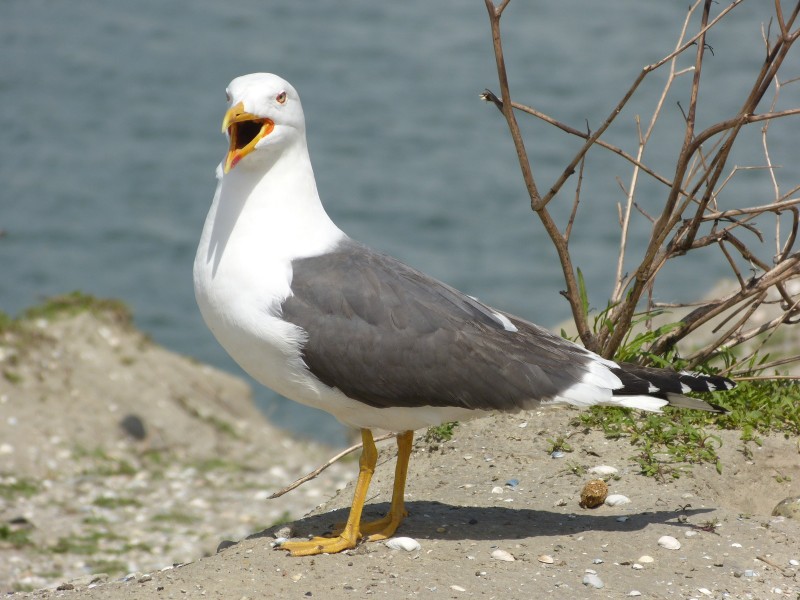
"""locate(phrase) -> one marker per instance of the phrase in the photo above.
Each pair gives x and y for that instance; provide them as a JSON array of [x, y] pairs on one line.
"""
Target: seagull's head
[[264, 113]]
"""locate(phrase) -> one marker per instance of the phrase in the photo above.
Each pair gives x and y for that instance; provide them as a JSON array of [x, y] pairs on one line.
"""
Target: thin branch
[[324, 466]]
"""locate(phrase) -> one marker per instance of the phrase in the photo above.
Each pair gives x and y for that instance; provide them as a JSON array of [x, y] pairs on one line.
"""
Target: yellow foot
[[320, 545], [382, 529], [379, 529]]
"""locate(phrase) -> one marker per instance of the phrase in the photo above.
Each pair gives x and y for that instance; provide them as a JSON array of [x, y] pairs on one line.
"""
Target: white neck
[[272, 213]]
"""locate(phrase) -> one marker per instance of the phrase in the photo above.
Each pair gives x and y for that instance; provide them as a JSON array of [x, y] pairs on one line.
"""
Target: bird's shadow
[[437, 520]]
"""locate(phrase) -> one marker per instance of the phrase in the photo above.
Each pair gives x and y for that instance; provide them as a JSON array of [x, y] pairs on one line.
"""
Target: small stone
[[622, 519], [777, 590], [502, 555], [557, 454], [646, 559], [592, 580], [603, 471], [403, 543], [750, 573], [512, 483], [634, 593], [690, 533], [704, 591], [637, 566], [794, 562], [560, 502], [736, 545], [134, 426], [669, 542], [617, 499], [457, 588], [497, 490], [597, 561], [546, 559], [65, 586], [594, 493]]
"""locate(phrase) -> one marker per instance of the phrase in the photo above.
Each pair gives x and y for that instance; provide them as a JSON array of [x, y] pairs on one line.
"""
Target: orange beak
[[245, 130]]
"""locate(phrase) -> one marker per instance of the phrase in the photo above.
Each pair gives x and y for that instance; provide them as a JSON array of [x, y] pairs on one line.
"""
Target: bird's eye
[[281, 98]]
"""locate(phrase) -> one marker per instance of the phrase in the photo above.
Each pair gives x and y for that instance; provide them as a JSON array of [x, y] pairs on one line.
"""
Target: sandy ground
[[494, 486]]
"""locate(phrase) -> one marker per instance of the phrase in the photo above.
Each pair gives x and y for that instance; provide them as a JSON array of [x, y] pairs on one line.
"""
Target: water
[[110, 116]]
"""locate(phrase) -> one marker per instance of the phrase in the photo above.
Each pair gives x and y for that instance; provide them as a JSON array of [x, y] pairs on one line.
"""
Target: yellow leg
[[351, 533], [385, 527]]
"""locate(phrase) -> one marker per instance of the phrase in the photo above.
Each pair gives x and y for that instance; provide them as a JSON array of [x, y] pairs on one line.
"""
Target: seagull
[[330, 323]]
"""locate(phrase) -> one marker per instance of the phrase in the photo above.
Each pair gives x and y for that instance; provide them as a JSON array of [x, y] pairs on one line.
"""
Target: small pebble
[[690, 533], [557, 454], [637, 566], [457, 588], [736, 545], [403, 543], [622, 519], [617, 499], [646, 559], [502, 555], [560, 502], [597, 561], [512, 483], [592, 580], [777, 590], [546, 559], [750, 573], [794, 562], [704, 591], [497, 490], [669, 542], [634, 593], [603, 471]]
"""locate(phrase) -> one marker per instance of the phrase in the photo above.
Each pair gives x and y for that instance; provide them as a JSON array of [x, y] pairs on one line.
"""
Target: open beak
[[245, 130]]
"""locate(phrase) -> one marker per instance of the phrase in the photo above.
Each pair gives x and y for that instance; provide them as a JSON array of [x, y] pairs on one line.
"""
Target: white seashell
[[646, 559], [593, 580], [669, 542], [690, 533], [497, 490], [794, 562], [704, 591], [637, 566], [546, 559], [457, 588], [403, 543], [503, 555], [617, 499], [634, 593], [603, 471], [736, 545]]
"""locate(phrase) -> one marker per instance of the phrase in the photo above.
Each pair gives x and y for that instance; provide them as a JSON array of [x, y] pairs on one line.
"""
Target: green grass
[[667, 444], [77, 302], [440, 433], [16, 538], [175, 517], [113, 502], [18, 487]]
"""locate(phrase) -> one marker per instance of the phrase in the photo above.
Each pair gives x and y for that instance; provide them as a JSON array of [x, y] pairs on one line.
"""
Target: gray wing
[[388, 335]]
